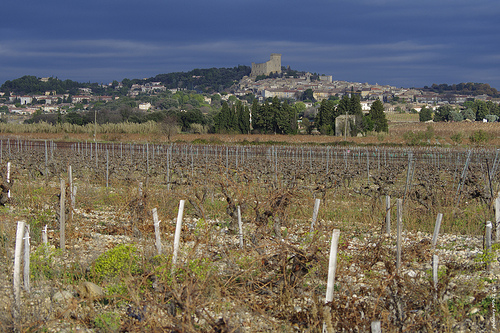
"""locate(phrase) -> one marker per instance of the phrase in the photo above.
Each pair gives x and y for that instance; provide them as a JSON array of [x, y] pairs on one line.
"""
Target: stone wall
[[268, 67]]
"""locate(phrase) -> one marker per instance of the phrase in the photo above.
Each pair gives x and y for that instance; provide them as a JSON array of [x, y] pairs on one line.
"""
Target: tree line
[[472, 110], [329, 110], [468, 88]]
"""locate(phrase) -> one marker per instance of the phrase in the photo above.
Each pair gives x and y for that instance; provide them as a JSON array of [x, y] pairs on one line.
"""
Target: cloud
[[404, 62]]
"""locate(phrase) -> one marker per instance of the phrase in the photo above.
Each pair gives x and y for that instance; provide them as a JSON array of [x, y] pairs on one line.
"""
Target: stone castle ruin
[[268, 67]]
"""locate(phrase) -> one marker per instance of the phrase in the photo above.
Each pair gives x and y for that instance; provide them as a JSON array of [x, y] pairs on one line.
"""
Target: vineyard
[[116, 271]]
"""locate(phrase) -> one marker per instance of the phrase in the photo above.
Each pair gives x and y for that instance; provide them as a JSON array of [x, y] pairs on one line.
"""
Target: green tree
[[377, 116], [443, 113], [224, 119], [481, 110], [325, 119], [425, 114], [308, 95], [243, 118], [307, 125]]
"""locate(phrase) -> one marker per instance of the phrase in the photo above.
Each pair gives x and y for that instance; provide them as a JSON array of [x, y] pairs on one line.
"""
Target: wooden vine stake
[[332, 267], [315, 214], [8, 178], [177, 236], [487, 242], [17, 269], [72, 192], [497, 219], [26, 270], [44, 235], [435, 267], [437, 226], [62, 217], [388, 214], [375, 326], [157, 230], [240, 225], [399, 227]]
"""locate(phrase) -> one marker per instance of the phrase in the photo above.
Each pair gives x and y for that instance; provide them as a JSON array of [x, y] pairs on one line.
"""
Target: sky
[[401, 43]]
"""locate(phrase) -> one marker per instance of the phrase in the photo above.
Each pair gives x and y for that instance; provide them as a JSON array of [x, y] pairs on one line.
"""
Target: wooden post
[[488, 242], [332, 267], [157, 230], [488, 236], [497, 219], [435, 266], [436, 229], [8, 178], [240, 225], [388, 214], [44, 235], [375, 327], [315, 214], [17, 269], [399, 227], [62, 217], [177, 236], [26, 270], [71, 199], [107, 168]]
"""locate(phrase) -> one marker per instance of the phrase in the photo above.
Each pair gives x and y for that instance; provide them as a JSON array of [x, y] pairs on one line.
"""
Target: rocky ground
[[368, 287]]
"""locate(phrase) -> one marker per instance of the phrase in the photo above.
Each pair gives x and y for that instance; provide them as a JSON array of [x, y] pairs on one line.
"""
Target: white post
[[17, 268], [388, 214], [488, 236], [488, 242], [62, 217], [435, 266], [376, 328], [71, 198], [8, 178], [157, 230], [240, 225], [44, 235], [497, 219], [315, 213], [178, 228], [70, 182], [399, 227], [27, 258], [436, 229], [332, 267]]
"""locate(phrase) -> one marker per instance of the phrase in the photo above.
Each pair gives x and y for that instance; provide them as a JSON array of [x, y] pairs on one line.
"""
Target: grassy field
[[400, 133]]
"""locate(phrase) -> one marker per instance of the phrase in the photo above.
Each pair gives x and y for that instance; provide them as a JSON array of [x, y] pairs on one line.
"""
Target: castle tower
[[268, 67]]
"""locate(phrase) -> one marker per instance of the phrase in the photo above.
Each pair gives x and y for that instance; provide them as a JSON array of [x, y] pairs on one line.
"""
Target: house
[[144, 106], [25, 100]]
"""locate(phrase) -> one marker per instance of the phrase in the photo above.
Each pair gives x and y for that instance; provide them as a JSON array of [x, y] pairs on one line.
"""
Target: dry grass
[[444, 132], [269, 285]]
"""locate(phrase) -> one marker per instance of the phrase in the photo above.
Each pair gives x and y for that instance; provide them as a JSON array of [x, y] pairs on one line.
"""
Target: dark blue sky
[[397, 42]]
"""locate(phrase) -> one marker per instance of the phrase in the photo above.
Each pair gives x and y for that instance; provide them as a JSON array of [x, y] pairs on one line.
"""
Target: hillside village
[[395, 99], [261, 84]]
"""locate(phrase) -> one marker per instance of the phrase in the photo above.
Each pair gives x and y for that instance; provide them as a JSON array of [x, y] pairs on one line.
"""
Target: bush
[[108, 322], [115, 262], [456, 116], [491, 118], [457, 137], [479, 137]]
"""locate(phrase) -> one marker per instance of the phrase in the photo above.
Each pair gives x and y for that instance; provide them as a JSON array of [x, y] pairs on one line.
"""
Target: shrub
[[115, 262], [479, 136], [457, 137], [108, 322]]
